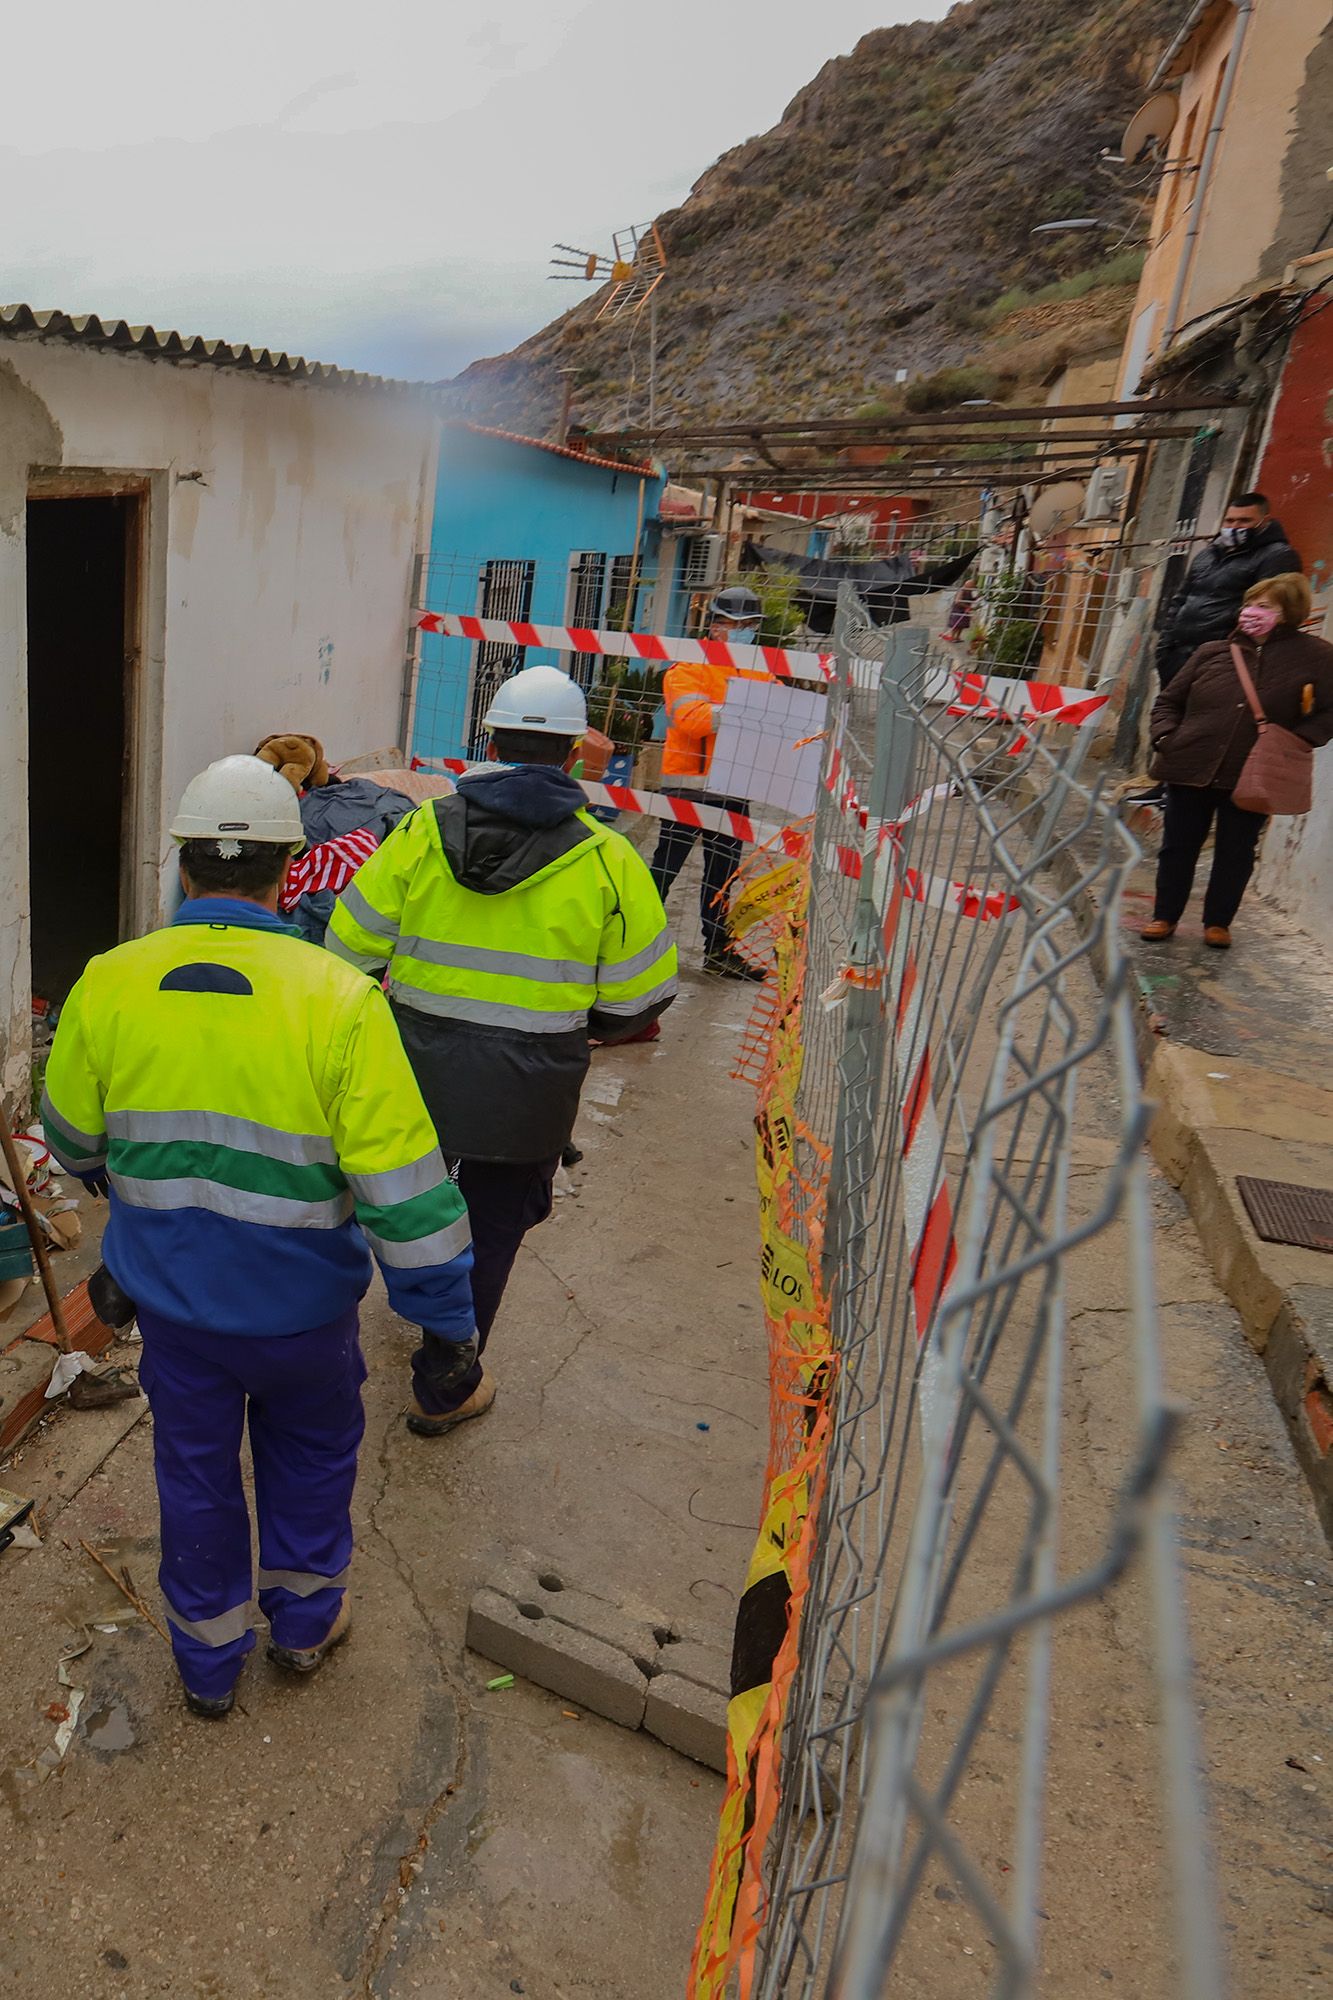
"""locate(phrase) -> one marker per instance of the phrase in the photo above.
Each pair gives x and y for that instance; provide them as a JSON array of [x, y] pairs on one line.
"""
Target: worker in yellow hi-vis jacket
[[512, 924], [248, 1102]]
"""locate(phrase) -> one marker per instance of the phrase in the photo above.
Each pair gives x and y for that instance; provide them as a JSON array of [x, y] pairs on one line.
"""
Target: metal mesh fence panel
[[921, 1058], [1002, 626]]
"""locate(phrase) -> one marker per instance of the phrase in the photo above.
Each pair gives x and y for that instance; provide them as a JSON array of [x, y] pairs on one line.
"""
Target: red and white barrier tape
[[1023, 701], [937, 892], [784, 662], [992, 694], [686, 812], [927, 1209]]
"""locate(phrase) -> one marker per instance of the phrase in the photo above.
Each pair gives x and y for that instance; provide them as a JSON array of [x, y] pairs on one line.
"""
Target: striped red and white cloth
[[331, 865]]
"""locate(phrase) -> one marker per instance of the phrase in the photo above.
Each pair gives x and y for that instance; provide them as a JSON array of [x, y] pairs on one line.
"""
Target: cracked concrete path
[[392, 1829]]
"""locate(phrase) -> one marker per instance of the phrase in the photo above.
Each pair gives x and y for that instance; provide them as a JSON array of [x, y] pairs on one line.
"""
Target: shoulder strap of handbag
[[1251, 694]]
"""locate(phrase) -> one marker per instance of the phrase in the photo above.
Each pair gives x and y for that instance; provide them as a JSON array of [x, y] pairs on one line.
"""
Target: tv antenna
[[633, 272]]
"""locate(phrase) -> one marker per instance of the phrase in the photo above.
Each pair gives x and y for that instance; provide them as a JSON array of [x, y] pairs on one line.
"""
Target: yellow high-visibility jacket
[[249, 1099], [512, 924]]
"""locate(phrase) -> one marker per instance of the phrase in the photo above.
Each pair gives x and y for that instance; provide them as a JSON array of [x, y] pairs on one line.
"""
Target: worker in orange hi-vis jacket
[[694, 695]]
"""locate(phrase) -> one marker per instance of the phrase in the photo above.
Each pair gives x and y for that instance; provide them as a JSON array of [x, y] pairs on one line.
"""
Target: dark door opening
[[78, 553]]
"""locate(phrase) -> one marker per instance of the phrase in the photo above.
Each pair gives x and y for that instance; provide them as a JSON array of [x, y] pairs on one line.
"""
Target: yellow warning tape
[[767, 1621]]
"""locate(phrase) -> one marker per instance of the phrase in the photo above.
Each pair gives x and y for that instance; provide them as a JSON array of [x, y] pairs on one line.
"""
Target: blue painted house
[[525, 529]]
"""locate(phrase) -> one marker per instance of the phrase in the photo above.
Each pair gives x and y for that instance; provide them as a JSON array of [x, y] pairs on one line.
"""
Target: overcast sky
[[377, 185]]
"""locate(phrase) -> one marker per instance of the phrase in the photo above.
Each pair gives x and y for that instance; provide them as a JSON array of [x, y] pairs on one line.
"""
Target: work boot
[[426, 1425], [98, 1388], [1218, 936], [212, 1707], [1158, 931], [729, 964], [309, 1659]]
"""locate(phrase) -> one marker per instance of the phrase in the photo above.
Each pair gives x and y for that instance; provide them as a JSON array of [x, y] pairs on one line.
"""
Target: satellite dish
[[1151, 127], [1056, 506]]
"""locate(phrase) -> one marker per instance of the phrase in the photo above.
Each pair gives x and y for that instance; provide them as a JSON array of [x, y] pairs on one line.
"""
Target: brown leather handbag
[[1277, 776]]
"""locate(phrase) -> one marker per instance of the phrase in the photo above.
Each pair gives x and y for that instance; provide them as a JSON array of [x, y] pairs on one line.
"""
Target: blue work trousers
[[722, 857], [301, 1393]]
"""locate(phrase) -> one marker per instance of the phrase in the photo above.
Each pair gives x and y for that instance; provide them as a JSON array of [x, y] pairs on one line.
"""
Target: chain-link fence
[[925, 1057]]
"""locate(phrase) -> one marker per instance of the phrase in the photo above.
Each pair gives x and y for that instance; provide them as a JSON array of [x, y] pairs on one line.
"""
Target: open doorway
[[79, 578]]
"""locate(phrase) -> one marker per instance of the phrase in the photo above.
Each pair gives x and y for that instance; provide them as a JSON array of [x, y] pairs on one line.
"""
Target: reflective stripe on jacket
[[260, 1124], [495, 993], [692, 697]]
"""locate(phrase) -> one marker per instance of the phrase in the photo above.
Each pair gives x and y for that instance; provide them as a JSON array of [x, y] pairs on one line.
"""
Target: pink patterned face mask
[[1257, 620]]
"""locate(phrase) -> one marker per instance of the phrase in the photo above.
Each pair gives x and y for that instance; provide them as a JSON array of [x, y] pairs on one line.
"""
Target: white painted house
[[199, 544]]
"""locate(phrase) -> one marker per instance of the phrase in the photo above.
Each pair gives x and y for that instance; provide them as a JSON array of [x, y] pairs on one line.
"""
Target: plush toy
[[298, 759]]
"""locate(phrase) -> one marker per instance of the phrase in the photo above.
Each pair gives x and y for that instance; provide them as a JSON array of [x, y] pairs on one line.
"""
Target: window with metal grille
[[504, 590], [585, 598], [622, 598]]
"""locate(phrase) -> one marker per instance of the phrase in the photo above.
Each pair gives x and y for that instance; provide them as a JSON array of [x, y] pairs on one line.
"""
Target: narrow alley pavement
[[394, 1829], [391, 1827]]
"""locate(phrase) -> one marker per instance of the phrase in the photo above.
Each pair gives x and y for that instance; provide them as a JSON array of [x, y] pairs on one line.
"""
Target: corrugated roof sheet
[[640, 471], [90, 331]]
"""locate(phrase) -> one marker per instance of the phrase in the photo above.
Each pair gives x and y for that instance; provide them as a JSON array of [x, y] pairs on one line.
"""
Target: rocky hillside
[[884, 224]]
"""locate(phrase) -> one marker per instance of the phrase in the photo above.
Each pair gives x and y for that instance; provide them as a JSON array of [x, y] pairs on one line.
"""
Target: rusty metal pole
[[34, 1227]]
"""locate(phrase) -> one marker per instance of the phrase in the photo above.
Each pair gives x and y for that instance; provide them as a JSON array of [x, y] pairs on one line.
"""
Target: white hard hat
[[541, 699], [239, 798]]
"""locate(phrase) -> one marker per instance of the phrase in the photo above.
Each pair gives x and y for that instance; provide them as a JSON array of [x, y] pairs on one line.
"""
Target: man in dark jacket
[[513, 925], [1251, 547]]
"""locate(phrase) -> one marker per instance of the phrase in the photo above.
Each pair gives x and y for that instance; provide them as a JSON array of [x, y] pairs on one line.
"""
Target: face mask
[[1257, 620], [1234, 538]]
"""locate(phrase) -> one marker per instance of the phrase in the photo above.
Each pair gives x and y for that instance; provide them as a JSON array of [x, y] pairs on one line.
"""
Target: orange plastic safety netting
[[769, 907]]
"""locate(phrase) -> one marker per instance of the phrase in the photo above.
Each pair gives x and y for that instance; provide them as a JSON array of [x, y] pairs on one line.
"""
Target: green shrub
[[876, 408], [1006, 634], [1007, 649], [776, 591], [949, 386], [1122, 269], [637, 695]]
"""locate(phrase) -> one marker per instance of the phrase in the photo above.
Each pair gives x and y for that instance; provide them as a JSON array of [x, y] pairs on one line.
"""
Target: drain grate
[[1284, 1213]]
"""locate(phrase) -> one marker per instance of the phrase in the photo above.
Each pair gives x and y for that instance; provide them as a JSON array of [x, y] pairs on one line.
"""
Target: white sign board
[[769, 746]]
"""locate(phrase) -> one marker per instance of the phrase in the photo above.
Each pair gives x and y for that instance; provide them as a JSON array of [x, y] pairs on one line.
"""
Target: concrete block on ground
[[688, 1718], [557, 1656], [542, 1588], [703, 1632], [706, 1666]]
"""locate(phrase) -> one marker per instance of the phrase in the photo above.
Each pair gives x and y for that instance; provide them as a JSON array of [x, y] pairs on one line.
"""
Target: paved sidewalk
[[1236, 1049]]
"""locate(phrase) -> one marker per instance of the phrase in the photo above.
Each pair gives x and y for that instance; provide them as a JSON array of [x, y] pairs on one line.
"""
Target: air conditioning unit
[[702, 561], [1106, 493]]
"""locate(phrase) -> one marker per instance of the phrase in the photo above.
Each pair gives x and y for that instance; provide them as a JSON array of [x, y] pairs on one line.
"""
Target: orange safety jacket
[[692, 696]]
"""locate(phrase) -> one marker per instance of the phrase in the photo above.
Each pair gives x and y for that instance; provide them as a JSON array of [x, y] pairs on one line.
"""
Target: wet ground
[[1267, 1001], [393, 1828]]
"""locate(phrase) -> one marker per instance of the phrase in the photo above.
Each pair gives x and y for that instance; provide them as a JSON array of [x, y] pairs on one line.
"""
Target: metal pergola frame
[[778, 431], [1016, 446]]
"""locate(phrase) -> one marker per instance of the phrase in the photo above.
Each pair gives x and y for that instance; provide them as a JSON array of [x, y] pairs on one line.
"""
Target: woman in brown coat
[[1202, 730]]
